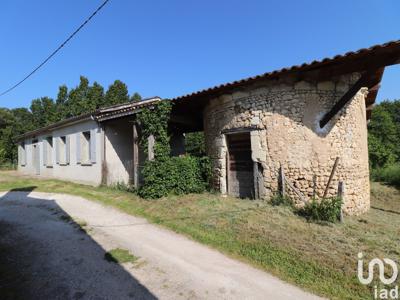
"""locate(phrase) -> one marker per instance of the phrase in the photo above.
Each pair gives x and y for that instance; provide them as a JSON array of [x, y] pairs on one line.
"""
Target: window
[[85, 147], [48, 151], [22, 154], [63, 151]]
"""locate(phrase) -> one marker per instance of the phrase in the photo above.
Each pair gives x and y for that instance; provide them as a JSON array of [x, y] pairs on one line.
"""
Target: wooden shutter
[[92, 146], [78, 148], [22, 154], [19, 154], [44, 143], [56, 140], [67, 149]]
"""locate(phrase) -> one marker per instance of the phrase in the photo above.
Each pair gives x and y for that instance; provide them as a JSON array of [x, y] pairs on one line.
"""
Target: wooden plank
[[241, 168], [362, 82], [330, 177], [282, 179], [227, 170], [255, 179], [298, 193], [340, 195], [135, 156]]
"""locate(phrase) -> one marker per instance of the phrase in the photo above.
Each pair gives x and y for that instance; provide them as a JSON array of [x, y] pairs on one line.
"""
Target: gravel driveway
[[45, 255]]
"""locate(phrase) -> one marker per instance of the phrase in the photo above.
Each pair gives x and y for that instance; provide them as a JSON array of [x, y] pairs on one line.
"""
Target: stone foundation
[[283, 119]]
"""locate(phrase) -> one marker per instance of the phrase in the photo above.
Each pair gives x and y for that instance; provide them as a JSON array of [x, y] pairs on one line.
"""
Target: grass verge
[[321, 259], [120, 256]]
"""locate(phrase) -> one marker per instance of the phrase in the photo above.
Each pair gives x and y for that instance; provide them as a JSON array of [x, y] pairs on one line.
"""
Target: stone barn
[[299, 119]]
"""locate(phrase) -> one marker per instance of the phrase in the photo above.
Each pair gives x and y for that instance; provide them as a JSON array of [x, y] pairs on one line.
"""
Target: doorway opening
[[240, 167]]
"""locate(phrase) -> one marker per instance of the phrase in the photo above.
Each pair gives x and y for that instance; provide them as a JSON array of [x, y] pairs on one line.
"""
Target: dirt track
[[45, 255]]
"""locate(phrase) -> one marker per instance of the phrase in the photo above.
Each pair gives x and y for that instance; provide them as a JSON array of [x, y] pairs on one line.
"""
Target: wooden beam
[[364, 81], [330, 177], [135, 156], [282, 181], [187, 120]]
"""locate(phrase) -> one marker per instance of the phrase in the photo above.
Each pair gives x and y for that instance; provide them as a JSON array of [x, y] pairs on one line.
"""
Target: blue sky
[[169, 48]]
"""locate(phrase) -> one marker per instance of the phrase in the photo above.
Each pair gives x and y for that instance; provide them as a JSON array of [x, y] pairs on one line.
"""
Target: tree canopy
[[384, 134]]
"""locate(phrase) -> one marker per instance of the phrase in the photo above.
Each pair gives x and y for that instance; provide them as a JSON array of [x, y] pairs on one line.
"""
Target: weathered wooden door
[[240, 166]]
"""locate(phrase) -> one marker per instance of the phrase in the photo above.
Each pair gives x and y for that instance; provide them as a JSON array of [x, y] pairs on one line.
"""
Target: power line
[[58, 49]]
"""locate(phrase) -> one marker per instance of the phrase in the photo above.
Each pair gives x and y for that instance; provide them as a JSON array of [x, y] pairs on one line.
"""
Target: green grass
[[319, 258], [120, 256], [389, 175], [5, 166]]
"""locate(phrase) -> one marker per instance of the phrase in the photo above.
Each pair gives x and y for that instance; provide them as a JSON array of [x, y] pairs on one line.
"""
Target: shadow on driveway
[[44, 254]]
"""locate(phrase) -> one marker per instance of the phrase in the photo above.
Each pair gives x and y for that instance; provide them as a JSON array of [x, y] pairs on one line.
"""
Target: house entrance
[[240, 177]]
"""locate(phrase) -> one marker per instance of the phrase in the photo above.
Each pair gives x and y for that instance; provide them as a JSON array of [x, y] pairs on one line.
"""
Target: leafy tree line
[[384, 142], [45, 110]]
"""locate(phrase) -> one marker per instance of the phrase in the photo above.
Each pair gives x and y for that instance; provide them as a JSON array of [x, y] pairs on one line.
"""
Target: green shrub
[[173, 175], [389, 175], [195, 144], [323, 210], [205, 170], [278, 200]]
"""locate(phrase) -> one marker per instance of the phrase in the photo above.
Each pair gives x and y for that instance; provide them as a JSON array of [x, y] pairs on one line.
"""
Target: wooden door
[[240, 166]]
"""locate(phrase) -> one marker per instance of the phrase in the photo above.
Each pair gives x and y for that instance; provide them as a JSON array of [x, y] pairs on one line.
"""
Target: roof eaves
[[62, 123], [302, 67]]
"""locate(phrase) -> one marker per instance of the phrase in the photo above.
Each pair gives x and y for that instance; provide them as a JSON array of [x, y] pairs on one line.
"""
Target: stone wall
[[283, 116]]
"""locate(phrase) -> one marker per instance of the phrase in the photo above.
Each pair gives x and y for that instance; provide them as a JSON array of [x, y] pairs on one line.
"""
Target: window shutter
[[24, 154], [67, 149], [44, 143], [20, 155], [92, 146], [57, 146], [78, 148]]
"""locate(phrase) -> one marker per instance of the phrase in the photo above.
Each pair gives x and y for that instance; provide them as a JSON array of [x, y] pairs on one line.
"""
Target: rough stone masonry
[[283, 120]]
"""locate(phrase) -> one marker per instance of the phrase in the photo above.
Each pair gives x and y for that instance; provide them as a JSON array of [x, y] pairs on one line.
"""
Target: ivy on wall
[[168, 175], [154, 121]]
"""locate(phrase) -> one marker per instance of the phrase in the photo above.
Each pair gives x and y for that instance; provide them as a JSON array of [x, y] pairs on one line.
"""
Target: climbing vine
[[168, 175], [154, 121]]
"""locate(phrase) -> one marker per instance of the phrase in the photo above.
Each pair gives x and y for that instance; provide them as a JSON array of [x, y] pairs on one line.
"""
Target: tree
[[5, 117], [77, 99], [116, 93], [61, 102], [44, 112], [136, 97], [194, 144], [95, 96], [383, 135], [23, 120], [12, 123]]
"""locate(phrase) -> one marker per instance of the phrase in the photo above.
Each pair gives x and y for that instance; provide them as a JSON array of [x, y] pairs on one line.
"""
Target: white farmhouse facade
[[96, 148]]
